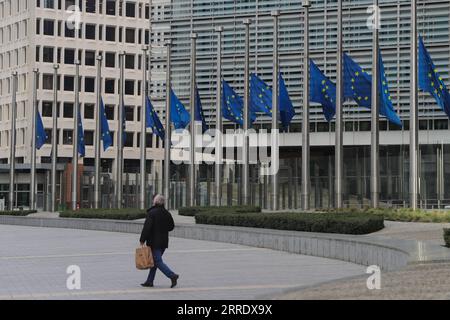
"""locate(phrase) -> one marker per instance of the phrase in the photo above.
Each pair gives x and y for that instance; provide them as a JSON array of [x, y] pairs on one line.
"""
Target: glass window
[[47, 82], [89, 84], [110, 60], [110, 33], [130, 9], [89, 58], [129, 87], [129, 61], [111, 7], [49, 27], [89, 111], [48, 54], [88, 138], [128, 139], [69, 56], [90, 6], [47, 108], [109, 85], [67, 137], [129, 35], [109, 110], [68, 110], [69, 83], [129, 113], [90, 31]]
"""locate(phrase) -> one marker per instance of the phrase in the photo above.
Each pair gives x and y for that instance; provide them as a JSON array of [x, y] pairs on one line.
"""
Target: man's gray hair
[[159, 200]]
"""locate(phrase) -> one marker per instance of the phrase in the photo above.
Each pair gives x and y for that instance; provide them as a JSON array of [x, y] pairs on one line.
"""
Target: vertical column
[[414, 117], [12, 142], [168, 132], [54, 137], [33, 141], [375, 110], [98, 135], [192, 167], [120, 142], [275, 157], [245, 155], [339, 152], [219, 137], [143, 143], [305, 123], [75, 136]]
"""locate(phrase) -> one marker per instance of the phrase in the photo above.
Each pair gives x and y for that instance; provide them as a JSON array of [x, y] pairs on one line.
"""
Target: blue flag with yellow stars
[[287, 111], [358, 86], [104, 127], [261, 99], [199, 116], [233, 105], [260, 95], [178, 113], [430, 80], [81, 145], [322, 91], [152, 119], [41, 135]]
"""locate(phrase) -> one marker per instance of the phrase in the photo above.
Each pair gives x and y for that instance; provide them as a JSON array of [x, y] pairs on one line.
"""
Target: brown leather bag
[[144, 258]]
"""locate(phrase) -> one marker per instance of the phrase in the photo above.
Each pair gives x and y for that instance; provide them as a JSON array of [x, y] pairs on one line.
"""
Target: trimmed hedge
[[405, 214], [447, 237], [21, 213], [192, 211], [115, 214], [344, 223]]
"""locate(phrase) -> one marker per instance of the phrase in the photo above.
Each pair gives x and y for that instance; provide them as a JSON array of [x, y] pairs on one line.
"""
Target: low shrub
[[447, 237], [115, 214], [344, 223], [192, 211], [21, 213]]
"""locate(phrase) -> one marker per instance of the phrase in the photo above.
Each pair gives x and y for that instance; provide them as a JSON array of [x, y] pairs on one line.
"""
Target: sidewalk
[[417, 281]]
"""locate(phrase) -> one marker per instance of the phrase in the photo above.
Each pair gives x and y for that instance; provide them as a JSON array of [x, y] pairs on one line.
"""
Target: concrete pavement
[[33, 263]]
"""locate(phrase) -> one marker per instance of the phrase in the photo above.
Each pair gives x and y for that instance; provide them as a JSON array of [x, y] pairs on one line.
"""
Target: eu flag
[[358, 86], [430, 80], [260, 95], [287, 111], [199, 116], [41, 136], [105, 133], [81, 145], [233, 105], [123, 122], [153, 120], [179, 116], [322, 91]]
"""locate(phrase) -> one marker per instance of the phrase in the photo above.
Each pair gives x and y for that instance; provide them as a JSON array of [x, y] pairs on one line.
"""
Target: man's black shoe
[[174, 280], [147, 285]]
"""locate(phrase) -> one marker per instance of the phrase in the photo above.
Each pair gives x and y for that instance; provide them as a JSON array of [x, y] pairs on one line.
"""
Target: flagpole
[[339, 167], [120, 142], [33, 142], [75, 136], [245, 166], [219, 149], [414, 118], [305, 123], [12, 144], [192, 167], [54, 136], [143, 130], [375, 135], [149, 86], [168, 133], [275, 106], [98, 135]]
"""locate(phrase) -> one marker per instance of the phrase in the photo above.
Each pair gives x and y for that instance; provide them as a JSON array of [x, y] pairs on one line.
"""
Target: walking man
[[158, 224]]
